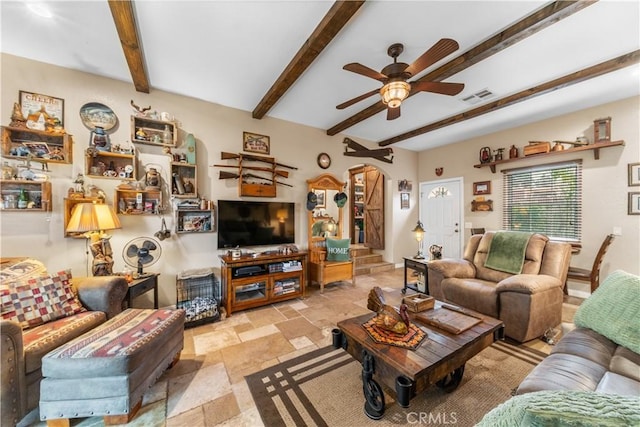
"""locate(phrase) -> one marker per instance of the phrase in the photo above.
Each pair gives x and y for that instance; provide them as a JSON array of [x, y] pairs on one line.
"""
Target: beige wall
[[216, 129], [604, 181], [219, 128]]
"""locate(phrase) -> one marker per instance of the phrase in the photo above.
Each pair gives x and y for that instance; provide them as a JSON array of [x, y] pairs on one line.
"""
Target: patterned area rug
[[324, 388]]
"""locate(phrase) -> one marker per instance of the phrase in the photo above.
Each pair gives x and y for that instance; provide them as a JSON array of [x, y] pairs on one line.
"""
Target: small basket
[[419, 302]]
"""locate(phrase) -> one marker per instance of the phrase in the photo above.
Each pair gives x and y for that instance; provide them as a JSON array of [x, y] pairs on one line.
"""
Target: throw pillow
[[338, 249], [613, 310], [23, 270], [38, 300]]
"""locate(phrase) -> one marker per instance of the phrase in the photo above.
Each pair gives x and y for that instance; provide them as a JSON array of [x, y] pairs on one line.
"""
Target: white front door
[[441, 216]]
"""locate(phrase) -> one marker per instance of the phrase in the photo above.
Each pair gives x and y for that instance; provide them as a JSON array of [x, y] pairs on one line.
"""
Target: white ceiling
[[231, 52]]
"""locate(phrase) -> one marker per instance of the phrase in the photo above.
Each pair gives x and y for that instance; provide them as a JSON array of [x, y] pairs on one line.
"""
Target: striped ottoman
[[106, 371]]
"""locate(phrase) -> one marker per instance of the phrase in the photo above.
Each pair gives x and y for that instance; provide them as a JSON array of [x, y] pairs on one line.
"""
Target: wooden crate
[[537, 148], [419, 302]]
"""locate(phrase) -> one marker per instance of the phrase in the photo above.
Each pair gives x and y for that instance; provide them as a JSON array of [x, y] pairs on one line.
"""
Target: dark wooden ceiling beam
[[335, 19], [550, 86], [536, 21], [124, 18]]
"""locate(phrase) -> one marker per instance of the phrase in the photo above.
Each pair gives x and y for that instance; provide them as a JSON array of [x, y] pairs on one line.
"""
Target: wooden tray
[[448, 318]]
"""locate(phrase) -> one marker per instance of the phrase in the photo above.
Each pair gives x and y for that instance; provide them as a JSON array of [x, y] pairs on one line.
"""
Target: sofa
[[592, 376], [40, 312], [528, 299]]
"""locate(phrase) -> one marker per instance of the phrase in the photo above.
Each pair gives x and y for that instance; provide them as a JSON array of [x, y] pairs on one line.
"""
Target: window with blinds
[[544, 199]]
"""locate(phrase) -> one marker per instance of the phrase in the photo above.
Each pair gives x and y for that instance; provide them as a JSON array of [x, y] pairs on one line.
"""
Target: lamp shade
[[87, 217], [418, 231], [393, 93]]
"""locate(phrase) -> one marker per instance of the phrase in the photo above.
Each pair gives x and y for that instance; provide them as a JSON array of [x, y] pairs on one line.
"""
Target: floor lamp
[[93, 219]]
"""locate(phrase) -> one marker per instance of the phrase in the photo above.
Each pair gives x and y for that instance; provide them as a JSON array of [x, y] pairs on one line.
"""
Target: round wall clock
[[324, 161]]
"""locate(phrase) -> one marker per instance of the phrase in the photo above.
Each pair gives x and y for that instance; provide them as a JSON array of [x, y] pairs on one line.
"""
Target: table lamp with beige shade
[[93, 219]]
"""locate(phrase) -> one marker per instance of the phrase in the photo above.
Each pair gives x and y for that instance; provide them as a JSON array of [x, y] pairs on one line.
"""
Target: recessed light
[[40, 9]]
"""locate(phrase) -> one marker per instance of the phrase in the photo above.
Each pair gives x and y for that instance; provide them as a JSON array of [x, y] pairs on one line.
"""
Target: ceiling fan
[[394, 77]]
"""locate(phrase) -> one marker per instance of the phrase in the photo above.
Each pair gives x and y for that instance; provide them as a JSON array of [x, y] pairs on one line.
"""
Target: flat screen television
[[247, 223]]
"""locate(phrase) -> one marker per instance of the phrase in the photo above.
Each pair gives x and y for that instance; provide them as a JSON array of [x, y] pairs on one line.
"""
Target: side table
[[140, 286], [411, 267]]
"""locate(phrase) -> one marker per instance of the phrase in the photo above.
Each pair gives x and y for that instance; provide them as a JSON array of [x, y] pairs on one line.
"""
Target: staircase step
[[358, 251], [368, 259], [374, 268]]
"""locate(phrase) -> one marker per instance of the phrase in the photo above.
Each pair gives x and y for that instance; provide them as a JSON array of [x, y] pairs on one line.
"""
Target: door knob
[[456, 230]]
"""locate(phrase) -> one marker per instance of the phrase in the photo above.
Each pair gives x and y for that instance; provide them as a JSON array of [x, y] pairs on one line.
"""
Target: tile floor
[[207, 386]]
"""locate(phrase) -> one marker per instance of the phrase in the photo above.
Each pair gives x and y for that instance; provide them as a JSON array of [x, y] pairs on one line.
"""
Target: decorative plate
[[94, 114]]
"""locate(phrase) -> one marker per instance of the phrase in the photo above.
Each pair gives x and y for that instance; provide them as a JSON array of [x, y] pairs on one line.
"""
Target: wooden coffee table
[[439, 359]]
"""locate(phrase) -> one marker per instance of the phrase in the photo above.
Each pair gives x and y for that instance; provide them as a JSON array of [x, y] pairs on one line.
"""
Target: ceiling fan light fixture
[[393, 93]]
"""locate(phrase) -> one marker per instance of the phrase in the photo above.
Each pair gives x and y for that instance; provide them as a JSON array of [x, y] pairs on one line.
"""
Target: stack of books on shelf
[[294, 265], [285, 266], [284, 287]]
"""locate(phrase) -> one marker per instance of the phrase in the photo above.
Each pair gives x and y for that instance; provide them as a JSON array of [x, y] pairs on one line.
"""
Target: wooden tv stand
[[251, 281]]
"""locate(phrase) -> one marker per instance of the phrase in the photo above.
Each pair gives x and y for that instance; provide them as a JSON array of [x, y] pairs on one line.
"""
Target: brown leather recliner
[[528, 303]]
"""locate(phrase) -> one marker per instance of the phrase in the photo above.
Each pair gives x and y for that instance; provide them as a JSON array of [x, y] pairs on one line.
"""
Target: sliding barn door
[[374, 208]]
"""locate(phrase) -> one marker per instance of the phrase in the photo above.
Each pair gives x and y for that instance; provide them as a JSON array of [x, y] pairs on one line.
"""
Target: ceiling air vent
[[478, 96]]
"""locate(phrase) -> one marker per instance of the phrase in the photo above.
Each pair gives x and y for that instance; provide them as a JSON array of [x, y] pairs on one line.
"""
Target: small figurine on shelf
[[141, 135], [152, 178], [79, 182], [56, 154], [498, 154], [17, 118], [166, 135]]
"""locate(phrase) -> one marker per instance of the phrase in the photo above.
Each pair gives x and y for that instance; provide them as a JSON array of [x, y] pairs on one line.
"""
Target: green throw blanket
[[566, 409], [507, 250]]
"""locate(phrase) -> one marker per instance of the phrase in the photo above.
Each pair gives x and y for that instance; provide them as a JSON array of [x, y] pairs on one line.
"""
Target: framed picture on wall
[[404, 200], [482, 187], [35, 104], [255, 143], [634, 203], [634, 174]]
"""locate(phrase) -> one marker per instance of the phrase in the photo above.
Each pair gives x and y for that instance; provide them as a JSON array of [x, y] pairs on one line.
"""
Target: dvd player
[[251, 270]]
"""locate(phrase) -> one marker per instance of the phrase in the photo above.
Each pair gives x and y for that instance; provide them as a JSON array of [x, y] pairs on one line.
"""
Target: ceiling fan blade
[[357, 99], [437, 87], [438, 51], [393, 113], [363, 70]]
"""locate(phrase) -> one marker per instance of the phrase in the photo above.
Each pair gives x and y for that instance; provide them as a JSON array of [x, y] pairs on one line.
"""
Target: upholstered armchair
[[529, 302], [23, 346]]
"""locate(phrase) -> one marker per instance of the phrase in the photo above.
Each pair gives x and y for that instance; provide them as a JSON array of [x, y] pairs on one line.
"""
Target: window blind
[[544, 199]]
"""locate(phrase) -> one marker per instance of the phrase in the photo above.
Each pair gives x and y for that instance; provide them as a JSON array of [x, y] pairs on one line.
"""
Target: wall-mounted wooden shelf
[[19, 143], [106, 164], [254, 178], [151, 132], [38, 193], [138, 202], [184, 182], [594, 147], [195, 221]]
